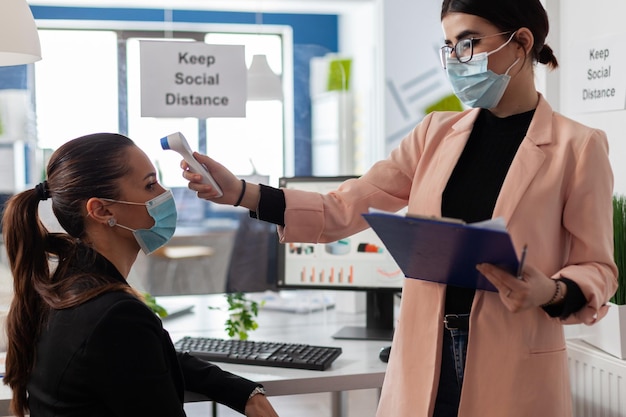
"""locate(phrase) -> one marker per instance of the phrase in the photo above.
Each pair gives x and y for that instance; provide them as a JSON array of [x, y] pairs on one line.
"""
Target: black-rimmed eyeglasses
[[464, 49]]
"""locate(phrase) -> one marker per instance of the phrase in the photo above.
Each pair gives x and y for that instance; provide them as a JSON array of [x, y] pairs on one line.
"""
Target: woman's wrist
[[250, 196], [242, 193], [270, 205], [256, 391], [573, 300], [560, 290]]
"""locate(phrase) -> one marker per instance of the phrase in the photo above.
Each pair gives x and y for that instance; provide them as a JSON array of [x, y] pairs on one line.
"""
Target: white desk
[[358, 367]]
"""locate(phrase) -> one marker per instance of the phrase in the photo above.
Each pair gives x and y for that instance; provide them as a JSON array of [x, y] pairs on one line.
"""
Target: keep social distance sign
[[192, 79], [599, 75]]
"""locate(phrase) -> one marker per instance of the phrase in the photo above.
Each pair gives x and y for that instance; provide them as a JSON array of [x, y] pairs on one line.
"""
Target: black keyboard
[[282, 355]]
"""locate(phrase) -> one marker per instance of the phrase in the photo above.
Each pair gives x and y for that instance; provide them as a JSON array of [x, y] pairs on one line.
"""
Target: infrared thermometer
[[177, 142]]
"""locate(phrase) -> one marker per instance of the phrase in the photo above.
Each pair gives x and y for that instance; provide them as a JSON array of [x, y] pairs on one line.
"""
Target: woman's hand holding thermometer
[[177, 142]]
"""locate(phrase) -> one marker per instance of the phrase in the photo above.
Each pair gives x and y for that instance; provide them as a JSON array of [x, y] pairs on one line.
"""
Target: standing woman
[[463, 352], [81, 342]]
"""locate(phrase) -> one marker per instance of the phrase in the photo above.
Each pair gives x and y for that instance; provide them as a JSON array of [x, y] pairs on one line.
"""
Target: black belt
[[456, 321]]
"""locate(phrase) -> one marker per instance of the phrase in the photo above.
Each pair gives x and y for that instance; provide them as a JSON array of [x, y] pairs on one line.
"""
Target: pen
[[520, 272]]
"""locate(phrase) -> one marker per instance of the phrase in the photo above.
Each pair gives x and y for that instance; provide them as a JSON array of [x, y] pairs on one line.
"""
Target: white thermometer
[[177, 142]]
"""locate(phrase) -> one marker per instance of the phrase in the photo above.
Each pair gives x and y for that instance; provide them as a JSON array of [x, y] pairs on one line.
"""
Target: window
[[253, 144], [78, 92], [75, 85]]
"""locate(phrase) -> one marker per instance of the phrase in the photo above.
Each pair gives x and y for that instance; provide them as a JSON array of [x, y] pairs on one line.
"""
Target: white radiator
[[598, 381]]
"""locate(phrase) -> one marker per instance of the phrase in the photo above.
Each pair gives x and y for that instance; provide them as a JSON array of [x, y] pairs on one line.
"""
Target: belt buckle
[[456, 321]]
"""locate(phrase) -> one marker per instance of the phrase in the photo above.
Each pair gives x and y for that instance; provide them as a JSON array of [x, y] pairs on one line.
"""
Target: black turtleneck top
[[475, 183]]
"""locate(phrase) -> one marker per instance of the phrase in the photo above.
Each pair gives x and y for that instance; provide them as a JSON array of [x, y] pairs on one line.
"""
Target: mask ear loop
[[503, 45], [111, 222], [512, 65]]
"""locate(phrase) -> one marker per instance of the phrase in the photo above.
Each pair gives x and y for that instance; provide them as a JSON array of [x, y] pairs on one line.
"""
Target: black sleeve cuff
[[271, 207], [218, 385], [574, 301]]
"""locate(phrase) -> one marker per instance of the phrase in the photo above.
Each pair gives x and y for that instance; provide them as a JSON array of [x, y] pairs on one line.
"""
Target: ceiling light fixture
[[263, 83], [19, 40]]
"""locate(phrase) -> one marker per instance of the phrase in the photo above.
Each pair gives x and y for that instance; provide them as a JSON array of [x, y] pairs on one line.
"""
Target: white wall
[[360, 38], [413, 77], [581, 20]]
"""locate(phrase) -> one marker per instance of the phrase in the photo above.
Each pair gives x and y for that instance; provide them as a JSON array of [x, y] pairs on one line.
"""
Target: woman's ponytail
[[82, 168], [25, 240]]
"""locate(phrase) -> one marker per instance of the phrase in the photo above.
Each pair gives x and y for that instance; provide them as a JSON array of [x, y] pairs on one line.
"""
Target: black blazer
[[110, 356]]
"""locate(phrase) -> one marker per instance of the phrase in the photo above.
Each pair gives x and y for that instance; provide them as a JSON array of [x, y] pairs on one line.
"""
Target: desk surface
[[358, 367]]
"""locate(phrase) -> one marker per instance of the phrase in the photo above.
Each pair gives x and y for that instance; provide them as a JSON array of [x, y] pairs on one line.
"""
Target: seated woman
[[81, 342]]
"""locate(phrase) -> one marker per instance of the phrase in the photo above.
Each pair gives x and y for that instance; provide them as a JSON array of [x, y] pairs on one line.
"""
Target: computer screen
[[358, 263]]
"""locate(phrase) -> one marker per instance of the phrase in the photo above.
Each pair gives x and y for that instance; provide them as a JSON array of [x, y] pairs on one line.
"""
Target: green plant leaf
[[153, 305], [243, 312], [619, 241]]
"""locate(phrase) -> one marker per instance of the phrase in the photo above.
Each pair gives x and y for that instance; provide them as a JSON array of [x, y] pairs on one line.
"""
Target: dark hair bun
[[546, 56]]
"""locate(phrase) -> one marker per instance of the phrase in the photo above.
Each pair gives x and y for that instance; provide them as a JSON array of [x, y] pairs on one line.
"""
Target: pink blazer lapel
[[448, 154], [527, 162]]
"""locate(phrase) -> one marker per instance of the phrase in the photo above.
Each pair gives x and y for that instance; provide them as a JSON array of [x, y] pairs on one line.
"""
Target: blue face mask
[[163, 210], [474, 84]]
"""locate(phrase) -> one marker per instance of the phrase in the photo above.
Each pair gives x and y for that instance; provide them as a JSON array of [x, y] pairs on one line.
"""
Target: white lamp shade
[[19, 41], [263, 83]]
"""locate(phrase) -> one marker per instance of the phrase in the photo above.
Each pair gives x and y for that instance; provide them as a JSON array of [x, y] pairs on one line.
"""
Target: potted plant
[[242, 315], [609, 334]]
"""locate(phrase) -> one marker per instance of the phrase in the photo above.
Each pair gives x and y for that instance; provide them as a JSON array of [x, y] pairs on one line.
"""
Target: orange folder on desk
[[444, 251]]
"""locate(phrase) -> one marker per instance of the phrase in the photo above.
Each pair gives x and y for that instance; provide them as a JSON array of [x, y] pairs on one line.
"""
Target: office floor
[[361, 403]]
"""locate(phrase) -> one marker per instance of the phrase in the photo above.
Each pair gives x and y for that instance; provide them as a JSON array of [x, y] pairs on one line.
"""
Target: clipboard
[[444, 251]]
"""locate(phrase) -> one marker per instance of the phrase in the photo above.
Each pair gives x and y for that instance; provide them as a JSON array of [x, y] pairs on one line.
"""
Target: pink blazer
[[557, 198]]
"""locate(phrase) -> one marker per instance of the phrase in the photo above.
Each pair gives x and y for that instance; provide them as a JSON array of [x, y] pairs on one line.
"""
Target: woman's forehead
[[139, 164], [461, 25]]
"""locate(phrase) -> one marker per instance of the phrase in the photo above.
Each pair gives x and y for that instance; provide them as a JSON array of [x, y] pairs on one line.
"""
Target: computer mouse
[[384, 354]]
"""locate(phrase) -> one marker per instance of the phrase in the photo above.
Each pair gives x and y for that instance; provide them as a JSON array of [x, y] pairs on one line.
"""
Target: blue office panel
[[14, 77], [97, 13], [315, 29]]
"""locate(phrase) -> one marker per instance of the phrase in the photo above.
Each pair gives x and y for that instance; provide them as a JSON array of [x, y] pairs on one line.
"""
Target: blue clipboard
[[444, 251]]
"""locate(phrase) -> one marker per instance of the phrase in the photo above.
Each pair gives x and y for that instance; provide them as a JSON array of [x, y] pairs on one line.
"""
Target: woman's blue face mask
[[474, 84], [163, 210]]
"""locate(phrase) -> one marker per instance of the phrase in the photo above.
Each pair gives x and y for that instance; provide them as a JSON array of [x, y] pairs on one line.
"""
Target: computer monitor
[[356, 263]]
